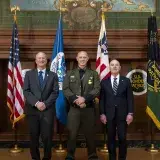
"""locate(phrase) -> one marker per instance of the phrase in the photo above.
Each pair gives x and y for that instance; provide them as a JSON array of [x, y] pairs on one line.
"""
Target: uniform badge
[[72, 78], [89, 81]]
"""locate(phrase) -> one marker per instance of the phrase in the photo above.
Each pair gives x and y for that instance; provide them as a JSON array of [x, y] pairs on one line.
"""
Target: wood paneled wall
[[123, 44], [129, 46]]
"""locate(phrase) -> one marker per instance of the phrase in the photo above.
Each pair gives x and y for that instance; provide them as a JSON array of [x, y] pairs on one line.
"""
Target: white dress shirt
[[112, 79], [44, 72]]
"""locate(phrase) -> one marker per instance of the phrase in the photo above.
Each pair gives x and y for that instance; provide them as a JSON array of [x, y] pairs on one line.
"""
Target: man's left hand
[[80, 100], [43, 107], [129, 119], [83, 105]]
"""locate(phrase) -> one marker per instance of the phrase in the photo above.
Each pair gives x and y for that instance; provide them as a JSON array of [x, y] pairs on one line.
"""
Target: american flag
[[102, 61], [15, 98]]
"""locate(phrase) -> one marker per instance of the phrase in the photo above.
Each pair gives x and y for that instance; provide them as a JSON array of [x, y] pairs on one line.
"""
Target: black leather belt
[[88, 105]]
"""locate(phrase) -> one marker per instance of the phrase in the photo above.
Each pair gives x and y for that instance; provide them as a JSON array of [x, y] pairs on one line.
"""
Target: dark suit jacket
[[33, 93], [120, 104], [72, 85]]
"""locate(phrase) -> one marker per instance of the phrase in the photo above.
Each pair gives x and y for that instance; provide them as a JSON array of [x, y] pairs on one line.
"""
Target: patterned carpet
[[81, 154]]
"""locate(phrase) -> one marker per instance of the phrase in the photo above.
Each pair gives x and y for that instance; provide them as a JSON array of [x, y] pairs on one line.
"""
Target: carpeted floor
[[81, 154]]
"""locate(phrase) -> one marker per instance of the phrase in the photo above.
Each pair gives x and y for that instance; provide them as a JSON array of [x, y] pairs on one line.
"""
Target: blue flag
[[58, 66]]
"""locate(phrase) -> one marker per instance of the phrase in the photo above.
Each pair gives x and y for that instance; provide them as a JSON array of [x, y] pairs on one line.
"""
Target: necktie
[[81, 73], [40, 76], [115, 86]]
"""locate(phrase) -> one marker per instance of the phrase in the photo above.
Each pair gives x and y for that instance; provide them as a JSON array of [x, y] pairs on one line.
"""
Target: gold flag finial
[[15, 9], [151, 12], [102, 8], [60, 8]]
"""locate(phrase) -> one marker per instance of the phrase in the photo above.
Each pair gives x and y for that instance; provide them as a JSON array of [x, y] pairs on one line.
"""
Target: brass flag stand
[[104, 149], [152, 149], [60, 148], [15, 149]]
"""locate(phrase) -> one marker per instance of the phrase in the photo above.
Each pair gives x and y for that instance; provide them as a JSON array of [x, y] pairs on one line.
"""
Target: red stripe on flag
[[103, 67], [10, 88], [107, 76], [16, 114], [98, 61], [10, 73], [19, 77], [19, 98]]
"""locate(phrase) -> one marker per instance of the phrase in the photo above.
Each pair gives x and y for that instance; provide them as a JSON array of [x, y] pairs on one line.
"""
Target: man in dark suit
[[81, 86], [116, 107], [41, 91]]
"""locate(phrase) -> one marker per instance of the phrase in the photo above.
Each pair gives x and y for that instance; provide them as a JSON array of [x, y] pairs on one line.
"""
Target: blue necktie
[[115, 86], [40, 76]]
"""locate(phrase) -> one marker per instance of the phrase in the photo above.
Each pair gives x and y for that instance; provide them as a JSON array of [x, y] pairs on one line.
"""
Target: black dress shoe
[[69, 158], [93, 157]]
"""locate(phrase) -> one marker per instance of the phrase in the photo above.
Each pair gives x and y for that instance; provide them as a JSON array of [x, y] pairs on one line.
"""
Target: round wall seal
[[138, 80]]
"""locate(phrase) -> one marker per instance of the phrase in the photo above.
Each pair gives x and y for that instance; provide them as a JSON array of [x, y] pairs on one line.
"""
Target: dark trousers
[[121, 127], [84, 118], [40, 125]]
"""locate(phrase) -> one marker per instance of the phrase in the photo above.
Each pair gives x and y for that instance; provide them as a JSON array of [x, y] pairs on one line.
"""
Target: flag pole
[[104, 149], [152, 148], [60, 148], [15, 149]]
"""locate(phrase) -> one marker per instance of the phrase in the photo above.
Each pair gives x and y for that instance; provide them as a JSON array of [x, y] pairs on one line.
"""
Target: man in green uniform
[[81, 86]]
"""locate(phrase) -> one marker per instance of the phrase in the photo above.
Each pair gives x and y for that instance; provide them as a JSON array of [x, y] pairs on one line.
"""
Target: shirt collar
[[44, 70], [84, 69], [112, 77]]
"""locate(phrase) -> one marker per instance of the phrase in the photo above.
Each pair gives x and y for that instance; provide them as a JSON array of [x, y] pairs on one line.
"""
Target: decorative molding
[[49, 19], [80, 14]]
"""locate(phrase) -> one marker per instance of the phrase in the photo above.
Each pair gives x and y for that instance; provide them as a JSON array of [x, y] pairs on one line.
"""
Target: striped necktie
[[115, 86]]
